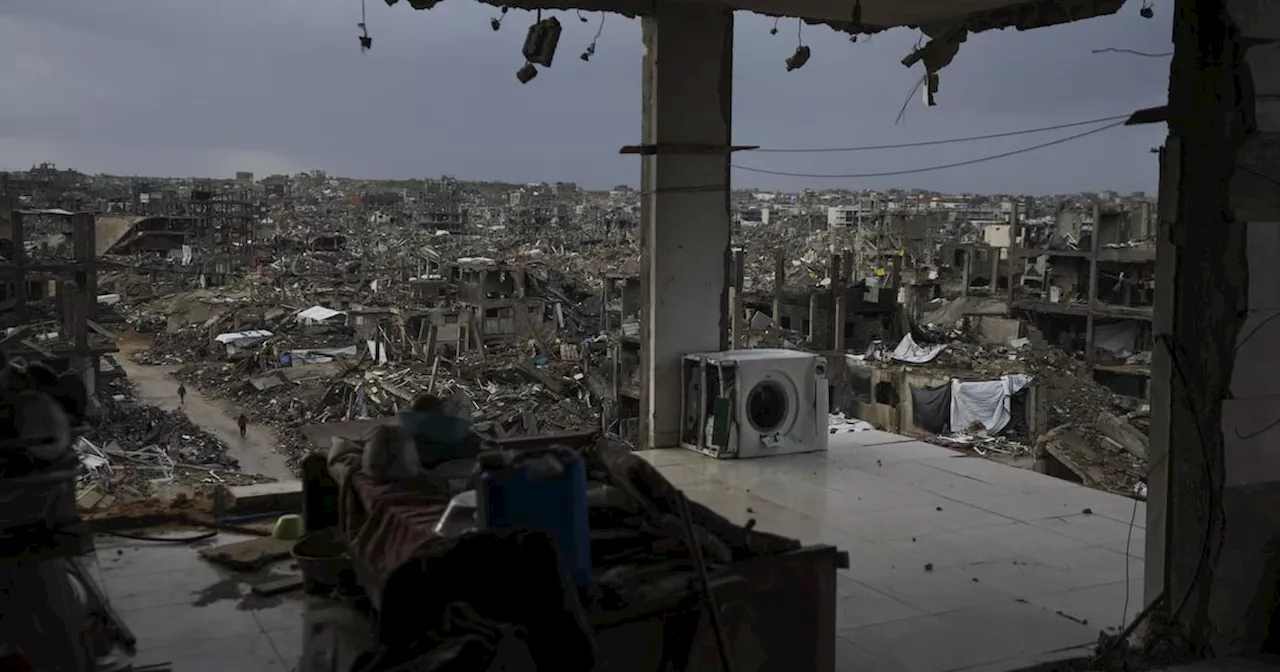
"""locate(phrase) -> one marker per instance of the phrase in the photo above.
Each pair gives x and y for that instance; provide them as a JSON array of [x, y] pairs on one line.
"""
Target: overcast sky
[[187, 87]]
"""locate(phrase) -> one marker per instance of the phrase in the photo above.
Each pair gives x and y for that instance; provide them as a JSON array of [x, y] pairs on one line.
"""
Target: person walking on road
[[244, 425], [182, 394]]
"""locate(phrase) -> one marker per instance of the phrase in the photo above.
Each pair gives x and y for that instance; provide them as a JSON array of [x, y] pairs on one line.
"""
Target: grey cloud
[[155, 86]]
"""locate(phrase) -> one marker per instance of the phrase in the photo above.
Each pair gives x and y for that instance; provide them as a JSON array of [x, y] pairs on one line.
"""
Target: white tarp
[[317, 355], [238, 340], [252, 335], [912, 353], [317, 315], [377, 351], [986, 403]]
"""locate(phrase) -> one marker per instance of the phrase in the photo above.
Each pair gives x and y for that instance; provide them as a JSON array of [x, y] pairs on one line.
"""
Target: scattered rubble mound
[[135, 452], [175, 347], [1099, 436], [511, 392], [1096, 437]]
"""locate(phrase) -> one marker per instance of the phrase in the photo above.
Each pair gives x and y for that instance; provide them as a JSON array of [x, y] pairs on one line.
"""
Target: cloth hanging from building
[[911, 352], [985, 403], [931, 408]]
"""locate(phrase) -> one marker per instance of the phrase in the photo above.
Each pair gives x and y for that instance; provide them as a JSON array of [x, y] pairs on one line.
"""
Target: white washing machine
[[754, 403]]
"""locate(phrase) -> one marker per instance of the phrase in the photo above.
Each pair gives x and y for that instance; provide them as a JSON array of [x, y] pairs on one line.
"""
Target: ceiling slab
[[970, 15]]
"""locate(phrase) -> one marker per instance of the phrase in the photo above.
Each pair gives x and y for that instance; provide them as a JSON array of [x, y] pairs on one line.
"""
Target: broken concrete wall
[[1215, 483], [998, 330]]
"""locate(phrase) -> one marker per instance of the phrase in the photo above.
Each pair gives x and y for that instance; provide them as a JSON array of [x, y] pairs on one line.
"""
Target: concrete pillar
[[837, 343], [19, 261], [685, 221], [1214, 519], [1092, 296], [606, 292], [995, 269], [814, 342], [737, 334], [966, 271], [779, 285], [518, 277], [1015, 256]]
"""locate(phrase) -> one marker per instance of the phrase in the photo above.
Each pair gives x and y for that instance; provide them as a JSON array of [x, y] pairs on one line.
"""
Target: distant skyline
[[207, 89]]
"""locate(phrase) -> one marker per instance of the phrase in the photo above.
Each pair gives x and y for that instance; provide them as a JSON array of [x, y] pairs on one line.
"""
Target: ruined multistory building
[[443, 208], [49, 291], [1095, 294]]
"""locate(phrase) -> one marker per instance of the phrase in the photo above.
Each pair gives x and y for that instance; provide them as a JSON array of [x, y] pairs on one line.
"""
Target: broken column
[[685, 220], [814, 307], [779, 285], [1214, 480], [606, 292], [736, 334], [838, 283]]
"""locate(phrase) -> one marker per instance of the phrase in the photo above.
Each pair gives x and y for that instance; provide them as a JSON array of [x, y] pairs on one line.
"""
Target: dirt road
[[255, 453]]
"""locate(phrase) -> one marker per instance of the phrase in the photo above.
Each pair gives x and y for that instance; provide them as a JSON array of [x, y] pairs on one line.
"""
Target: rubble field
[[134, 452], [309, 299]]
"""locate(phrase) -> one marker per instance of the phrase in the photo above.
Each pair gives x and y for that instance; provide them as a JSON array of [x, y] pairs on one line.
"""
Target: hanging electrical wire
[[801, 56], [1147, 54], [591, 48], [855, 21], [902, 111], [366, 42], [928, 169], [948, 141]]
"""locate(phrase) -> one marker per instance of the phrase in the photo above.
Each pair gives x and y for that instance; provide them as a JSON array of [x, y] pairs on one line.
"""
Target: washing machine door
[[769, 408]]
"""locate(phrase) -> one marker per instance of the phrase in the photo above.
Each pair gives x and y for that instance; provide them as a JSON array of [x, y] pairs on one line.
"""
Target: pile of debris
[[510, 392], [1098, 438], [1097, 435], [134, 452]]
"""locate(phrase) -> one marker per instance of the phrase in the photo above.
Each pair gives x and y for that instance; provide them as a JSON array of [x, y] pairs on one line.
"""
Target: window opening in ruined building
[[450, 319], [886, 394], [491, 312]]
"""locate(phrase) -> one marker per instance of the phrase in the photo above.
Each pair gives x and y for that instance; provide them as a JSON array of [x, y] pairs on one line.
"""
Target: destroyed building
[[49, 300], [1092, 290]]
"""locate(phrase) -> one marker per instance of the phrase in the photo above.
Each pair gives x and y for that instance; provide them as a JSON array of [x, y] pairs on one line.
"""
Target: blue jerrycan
[[545, 490]]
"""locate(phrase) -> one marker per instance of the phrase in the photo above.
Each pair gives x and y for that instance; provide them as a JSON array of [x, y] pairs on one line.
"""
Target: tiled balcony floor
[[955, 562]]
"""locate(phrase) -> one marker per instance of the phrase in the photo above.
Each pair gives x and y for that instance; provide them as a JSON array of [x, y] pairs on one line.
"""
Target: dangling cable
[[366, 42], [801, 56], [591, 48], [855, 21]]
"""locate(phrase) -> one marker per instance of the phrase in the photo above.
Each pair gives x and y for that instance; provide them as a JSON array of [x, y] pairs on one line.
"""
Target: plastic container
[[288, 527], [323, 561], [544, 490]]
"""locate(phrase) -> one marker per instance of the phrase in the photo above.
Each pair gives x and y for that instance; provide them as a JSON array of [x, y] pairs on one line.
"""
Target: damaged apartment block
[[49, 300]]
